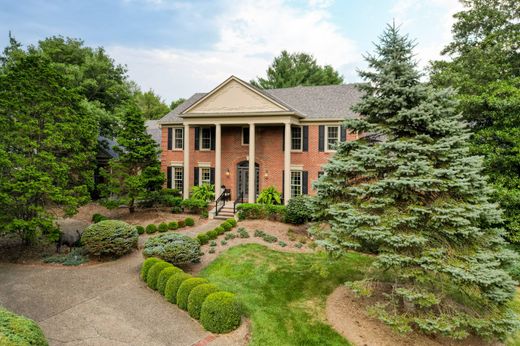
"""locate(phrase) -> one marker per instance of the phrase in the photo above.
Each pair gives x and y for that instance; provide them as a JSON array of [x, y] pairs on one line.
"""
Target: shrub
[[197, 296], [212, 243], [204, 214], [19, 330], [173, 247], [275, 212], [213, 234], [242, 233], [232, 222], [223, 242], [98, 217], [226, 226], [75, 257], [212, 250], [204, 192], [147, 264], [151, 229], [298, 210], [165, 274], [194, 205], [173, 225], [270, 238], [282, 243], [259, 233], [185, 289], [163, 227], [153, 273], [261, 211], [173, 284], [298, 245], [203, 238], [269, 195], [181, 223], [140, 229], [230, 236], [189, 221], [110, 237], [220, 312], [220, 230]]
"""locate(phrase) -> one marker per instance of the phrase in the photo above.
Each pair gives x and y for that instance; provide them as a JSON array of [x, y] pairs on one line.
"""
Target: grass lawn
[[283, 293], [514, 340]]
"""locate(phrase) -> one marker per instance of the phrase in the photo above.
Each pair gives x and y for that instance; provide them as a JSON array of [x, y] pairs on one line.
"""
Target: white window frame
[[327, 148], [301, 138], [201, 147], [174, 138], [300, 173], [201, 174], [175, 181], [242, 135]]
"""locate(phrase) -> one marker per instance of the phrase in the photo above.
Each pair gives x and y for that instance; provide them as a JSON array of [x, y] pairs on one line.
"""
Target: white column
[[252, 169], [218, 180], [287, 164], [186, 151]]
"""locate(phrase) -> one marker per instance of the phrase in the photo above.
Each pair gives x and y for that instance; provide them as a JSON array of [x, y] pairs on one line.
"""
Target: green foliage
[[98, 217], [160, 197], [213, 234], [269, 195], [197, 296], [298, 245], [212, 243], [298, 210], [150, 104], [75, 257], [204, 192], [176, 103], [154, 272], [212, 250], [140, 229], [230, 236], [181, 223], [259, 233], [420, 202], [282, 243], [220, 312], [194, 205], [270, 238], [223, 242], [185, 290], [226, 226], [147, 264], [165, 274], [17, 330], [232, 222], [297, 69], [173, 225], [189, 222], [151, 228], [173, 247], [110, 238], [173, 284], [242, 233], [163, 227], [261, 211], [203, 238]]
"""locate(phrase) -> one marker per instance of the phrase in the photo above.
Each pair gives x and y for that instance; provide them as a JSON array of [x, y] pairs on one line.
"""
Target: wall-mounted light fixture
[[227, 173], [266, 174]]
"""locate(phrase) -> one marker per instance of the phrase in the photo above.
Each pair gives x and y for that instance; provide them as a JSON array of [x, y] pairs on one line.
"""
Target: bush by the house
[[269, 195], [204, 192], [173, 284], [232, 222], [185, 289], [173, 225], [220, 230], [147, 264], [18, 330], [204, 214], [173, 247], [220, 312], [98, 217], [226, 226], [165, 274], [181, 223], [203, 238], [163, 227], [151, 228], [197, 296], [110, 238], [189, 221], [153, 273], [298, 210], [140, 229], [212, 234], [261, 211], [194, 205], [164, 197]]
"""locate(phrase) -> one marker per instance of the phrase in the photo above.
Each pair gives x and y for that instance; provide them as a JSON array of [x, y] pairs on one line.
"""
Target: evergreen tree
[[137, 170], [411, 193]]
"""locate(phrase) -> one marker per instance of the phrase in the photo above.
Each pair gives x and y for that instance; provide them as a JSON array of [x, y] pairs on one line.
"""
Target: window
[[296, 138], [178, 138], [205, 138], [296, 183], [205, 175], [245, 135], [178, 178], [332, 137]]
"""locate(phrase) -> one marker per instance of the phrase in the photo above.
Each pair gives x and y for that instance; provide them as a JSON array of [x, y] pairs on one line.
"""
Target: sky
[[179, 47]]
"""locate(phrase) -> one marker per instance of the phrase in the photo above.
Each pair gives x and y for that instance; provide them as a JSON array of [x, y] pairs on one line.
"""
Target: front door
[[243, 179]]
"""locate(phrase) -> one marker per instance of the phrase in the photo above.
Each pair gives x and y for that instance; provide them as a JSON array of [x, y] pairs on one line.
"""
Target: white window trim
[[200, 139], [301, 182], [175, 167], [174, 137], [301, 139], [200, 175], [242, 135], [327, 137]]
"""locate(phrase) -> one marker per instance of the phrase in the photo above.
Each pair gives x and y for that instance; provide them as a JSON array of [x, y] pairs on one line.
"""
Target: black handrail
[[221, 199], [240, 199]]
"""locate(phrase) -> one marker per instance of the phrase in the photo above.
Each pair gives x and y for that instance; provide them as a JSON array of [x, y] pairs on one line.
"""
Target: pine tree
[[137, 170], [411, 193]]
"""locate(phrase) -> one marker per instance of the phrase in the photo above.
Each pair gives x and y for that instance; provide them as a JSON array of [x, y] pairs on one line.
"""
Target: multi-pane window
[[205, 175], [178, 178], [296, 183], [178, 138], [332, 137], [245, 135], [296, 138], [205, 138]]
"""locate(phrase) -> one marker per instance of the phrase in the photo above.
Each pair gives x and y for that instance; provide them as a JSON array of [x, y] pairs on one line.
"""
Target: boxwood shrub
[[19, 330], [212, 234], [173, 225], [140, 229], [298, 210], [203, 238], [165, 274], [173, 247], [232, 222], [173, 284], [197, 296], [184, 291], [151, 228], [147, 264], [261, 211], [226, 226], [220, 312], [153, 273], [163, 227], [110, 238], [189, 221], [181, 223]]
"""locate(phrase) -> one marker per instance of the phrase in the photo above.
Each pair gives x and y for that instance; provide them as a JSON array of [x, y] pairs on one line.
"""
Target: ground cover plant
[[283, 293], [75, 257], [18, 330]]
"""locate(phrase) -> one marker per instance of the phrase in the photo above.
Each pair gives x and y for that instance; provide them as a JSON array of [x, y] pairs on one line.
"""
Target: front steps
[[225, 213]]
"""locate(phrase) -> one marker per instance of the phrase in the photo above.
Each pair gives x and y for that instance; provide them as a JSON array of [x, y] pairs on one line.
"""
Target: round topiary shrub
[[140, 229], [189, 221], [226, 226], [165, 274], [147, 264], [19, 330], [220, 312], [174, 248], [184, 291], [163, 227], [173, 225], [181, 223], [153, 273], [202, 238], [173, 284], [298, 210], [151, 228], [212, 234], [232, 222], [110, 238], [197, 296]]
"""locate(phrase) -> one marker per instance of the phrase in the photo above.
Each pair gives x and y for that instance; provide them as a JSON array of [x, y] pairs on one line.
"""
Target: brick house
[[284, 135]]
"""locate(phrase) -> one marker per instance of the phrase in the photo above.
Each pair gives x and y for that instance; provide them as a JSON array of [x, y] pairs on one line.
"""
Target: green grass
[[284, 294]]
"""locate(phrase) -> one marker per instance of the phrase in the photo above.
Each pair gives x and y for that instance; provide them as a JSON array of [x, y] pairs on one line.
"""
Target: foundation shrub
[[298, 210], [226, 226], [232, 222]]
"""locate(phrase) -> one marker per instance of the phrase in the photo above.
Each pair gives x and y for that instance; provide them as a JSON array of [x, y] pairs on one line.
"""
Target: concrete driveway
[[104, 304]]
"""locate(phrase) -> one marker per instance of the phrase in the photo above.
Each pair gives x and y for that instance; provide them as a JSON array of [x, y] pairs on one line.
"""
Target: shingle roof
[[154, 130], [312, 102]]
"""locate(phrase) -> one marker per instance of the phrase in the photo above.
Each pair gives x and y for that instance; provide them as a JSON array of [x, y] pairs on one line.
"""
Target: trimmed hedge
[[212, 234], [173, 225], [151, 229], [226, 226], [173, 247], [165, 274], [153, 273], [173, 284], [261, 211], [232, 222], [140, 229], [184, 291], [110, 237], [220, 312], [147, 264], [197, 296], [163, 227], [189, 221], [202, 238], [18, 330]]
